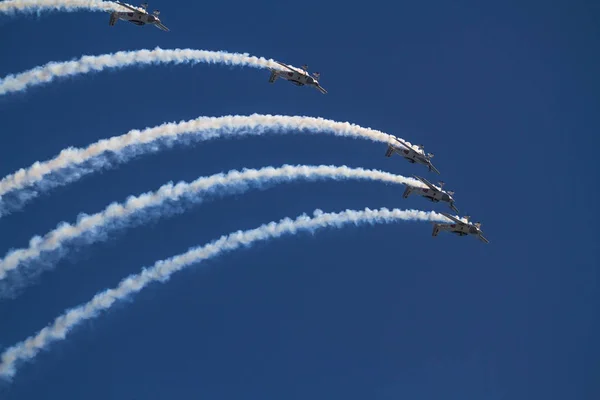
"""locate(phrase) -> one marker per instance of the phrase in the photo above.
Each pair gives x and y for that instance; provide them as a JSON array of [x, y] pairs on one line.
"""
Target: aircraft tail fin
[[113, 19], [436, 230], [407, 192]]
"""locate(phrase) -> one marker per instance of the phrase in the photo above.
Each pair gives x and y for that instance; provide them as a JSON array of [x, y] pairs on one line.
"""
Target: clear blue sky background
[[506, 94]]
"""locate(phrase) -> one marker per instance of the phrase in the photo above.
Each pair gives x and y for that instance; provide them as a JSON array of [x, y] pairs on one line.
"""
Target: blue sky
[[506, 94]]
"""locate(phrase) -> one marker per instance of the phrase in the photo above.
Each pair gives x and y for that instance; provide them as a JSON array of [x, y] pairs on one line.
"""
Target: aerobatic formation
[[19, 265]]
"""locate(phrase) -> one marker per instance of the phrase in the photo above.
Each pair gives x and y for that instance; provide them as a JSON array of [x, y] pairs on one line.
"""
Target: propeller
[[430, 155], [156, 12], [144, 5], [450, 192], [441, 183], [305, 67], [317, 75]]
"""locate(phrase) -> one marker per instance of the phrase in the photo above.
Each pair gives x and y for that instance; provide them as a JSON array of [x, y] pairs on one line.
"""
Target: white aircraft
[[412, 154], [298, 76], [432, 192], [137, 16], [461, 228]]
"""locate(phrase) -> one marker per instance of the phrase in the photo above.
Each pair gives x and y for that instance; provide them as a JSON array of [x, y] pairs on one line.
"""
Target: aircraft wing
[[286, 66], [161, 27], [127, 6], [434, 169], [453, 218], [389, 151], [403, 143], [452, 206], [483, 239], [425, 181]]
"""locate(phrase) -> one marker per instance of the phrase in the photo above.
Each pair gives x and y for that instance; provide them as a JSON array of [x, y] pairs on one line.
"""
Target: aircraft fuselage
[[136, 18], [413, 156], [461, 230], [432, 195], [408, 154], [297, 78]]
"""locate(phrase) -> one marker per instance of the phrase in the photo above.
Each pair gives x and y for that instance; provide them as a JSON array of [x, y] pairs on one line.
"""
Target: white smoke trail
[[70, 162], [162, 270], [86, 64], [33, 6], [94, 227]]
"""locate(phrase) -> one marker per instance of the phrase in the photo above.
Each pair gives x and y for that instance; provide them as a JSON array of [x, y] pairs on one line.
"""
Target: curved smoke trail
[[32, 6], [93, 228], [86, 64], [72, 163], [163, 269]]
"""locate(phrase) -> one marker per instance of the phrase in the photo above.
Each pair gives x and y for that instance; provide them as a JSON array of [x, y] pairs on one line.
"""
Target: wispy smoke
[[93, 228], [73, 163], [33, 6], [86, 64], [163, 269]]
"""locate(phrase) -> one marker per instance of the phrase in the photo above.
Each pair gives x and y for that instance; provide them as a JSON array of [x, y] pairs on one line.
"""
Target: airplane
[[138, 16], [413, 155], [432, 192], [461, 228], [298, 76]]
